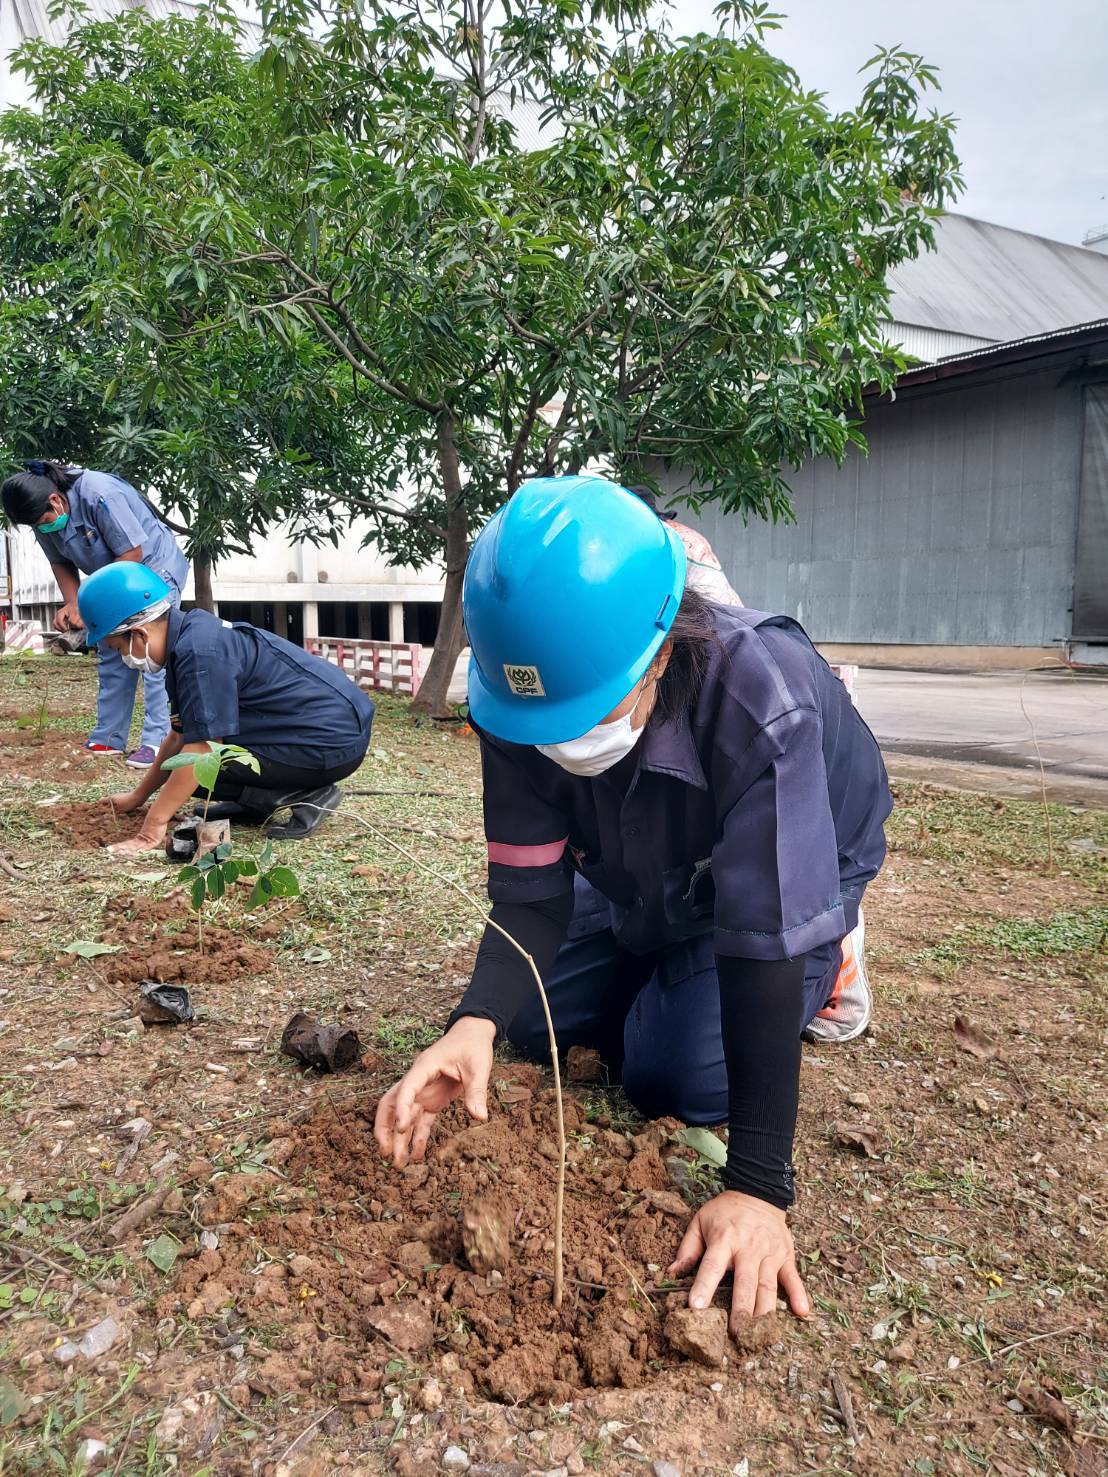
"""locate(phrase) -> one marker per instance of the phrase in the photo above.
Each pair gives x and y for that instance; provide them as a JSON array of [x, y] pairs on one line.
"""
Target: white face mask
[[599, 749], [143, 664]]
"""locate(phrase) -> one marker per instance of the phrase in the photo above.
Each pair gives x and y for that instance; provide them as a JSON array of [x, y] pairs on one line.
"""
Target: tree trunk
[[432, 699], [202, 580]]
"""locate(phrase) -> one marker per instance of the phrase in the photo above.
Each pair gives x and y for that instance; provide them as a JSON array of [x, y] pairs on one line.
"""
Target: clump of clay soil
[[86, 827], [448, 1263], [158, 940]]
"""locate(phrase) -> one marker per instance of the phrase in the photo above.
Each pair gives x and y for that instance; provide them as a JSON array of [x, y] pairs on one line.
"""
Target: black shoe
[[310, 808], [223, 810]]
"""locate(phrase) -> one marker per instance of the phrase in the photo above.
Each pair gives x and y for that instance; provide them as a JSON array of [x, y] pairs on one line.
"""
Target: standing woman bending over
[[683, 810], [84, 521]]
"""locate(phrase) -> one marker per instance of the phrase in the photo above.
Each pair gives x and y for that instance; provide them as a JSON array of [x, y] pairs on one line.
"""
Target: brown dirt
[[159, 941], [87, 827], [55, 756], [392, 1271]]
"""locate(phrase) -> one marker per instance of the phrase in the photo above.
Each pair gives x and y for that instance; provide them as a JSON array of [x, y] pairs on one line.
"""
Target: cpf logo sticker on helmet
[[524, 681]]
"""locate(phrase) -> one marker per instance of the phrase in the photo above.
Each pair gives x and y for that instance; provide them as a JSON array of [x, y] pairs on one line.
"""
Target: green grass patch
[[1081, 934]]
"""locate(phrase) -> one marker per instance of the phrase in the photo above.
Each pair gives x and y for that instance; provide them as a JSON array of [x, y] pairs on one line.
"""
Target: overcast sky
[[1028, 82]]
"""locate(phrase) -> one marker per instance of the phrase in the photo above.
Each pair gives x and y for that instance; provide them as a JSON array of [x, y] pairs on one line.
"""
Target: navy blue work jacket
[[754, 815], [107, 518], [231, 681]]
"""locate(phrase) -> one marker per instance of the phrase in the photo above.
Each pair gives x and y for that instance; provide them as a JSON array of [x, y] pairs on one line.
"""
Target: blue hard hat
[[114, 594], [569, 592]]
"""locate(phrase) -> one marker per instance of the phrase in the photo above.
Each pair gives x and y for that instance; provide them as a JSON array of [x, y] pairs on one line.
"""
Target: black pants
[[275, 776]]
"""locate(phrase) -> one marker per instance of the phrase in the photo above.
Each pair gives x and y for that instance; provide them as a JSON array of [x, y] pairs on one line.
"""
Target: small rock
[[752, 1334], [301, 1266], [408, 1326], [630, 1444], [412, 1257], [583, 1064], [698, 1333], [89, 1453], [903, 1352], [666, 1469], [454, 1459], [929, 1264], [741, 1468], [953, 1362], [430, 1395], [716, 1386], [590, 1270], [575, 1464], [1017, 1405], [557, 1472], [66, 1352], [100, 1338], [859, 1100]]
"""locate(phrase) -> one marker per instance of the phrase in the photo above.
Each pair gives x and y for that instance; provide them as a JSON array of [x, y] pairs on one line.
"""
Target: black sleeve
[[761, 1003], [502, 980]]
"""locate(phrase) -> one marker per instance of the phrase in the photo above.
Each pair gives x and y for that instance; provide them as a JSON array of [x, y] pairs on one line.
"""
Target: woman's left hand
[[751, 1239], [150, 838]]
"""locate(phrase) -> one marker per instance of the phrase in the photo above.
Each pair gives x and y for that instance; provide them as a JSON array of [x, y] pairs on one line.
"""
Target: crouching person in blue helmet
[[683, 810], [305, 722]]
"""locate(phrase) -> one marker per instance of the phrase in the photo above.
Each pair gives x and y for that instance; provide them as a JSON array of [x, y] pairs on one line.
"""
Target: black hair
[[26, 495], [648, 496], [690, 639]]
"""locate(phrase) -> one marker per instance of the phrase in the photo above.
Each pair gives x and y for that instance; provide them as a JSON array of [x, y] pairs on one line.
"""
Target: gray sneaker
[[847, 1014]]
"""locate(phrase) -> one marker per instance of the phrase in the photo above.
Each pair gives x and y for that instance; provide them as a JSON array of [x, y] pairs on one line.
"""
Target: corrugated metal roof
[[990, 282], [32, 17], [1092, 335]]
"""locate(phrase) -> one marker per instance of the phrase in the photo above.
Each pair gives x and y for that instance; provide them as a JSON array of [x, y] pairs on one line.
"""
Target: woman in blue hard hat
[[683, 810], [304, 721], [83, 521]]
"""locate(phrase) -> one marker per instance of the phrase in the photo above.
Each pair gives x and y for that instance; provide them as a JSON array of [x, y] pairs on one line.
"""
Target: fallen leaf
[[974, 1041], [1047, 1408], [316, 955], [89, 948], [163, 1252], [706, 1145], [860, 1140]]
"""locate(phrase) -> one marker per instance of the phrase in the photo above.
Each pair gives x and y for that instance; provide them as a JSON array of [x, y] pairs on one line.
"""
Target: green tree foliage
[[687, 265], [246, 430]]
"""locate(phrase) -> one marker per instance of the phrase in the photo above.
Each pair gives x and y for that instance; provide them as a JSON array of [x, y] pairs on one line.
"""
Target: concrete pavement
[[982, 728]]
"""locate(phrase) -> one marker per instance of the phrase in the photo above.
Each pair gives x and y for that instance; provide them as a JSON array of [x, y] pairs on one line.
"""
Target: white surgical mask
[[595, 751], [600, 748], [143, 664]]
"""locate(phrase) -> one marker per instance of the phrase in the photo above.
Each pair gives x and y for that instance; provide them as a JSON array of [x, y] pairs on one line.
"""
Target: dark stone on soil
[[584, 1065]]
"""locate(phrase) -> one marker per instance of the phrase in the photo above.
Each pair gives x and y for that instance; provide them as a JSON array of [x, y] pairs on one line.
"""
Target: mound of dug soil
[[53, 756], [140, 927], [87, 827], [447, 1265]]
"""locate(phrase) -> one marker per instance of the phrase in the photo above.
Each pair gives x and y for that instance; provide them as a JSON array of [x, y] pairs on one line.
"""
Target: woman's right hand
[[125, 803], [458, 1065]]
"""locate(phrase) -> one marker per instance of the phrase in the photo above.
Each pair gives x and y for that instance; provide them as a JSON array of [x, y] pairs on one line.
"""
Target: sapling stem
[[560, 1192]]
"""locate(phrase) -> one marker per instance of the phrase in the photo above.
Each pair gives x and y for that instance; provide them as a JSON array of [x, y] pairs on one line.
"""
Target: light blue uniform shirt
[[106, 519]]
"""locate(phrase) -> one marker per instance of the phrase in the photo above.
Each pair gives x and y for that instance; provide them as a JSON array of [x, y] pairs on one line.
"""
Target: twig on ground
[[846, 1406], [131, 1219], [295, 1446], [1054, 1333], [7, 868]]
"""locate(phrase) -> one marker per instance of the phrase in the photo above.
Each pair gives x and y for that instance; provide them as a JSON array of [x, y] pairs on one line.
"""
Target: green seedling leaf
[[163, 1252], [216, 887], [247, 865], [27, 1296], [232, 870], [199, 891], [13, 1403], [89, 949], [207, 771], [188, 874], [223, 851], [7, 1295], [706, 1144], [283, 881], [182, 761], [316, 955]]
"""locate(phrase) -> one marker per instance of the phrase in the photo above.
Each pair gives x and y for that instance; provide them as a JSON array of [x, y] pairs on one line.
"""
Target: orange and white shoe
[[847, 1014]]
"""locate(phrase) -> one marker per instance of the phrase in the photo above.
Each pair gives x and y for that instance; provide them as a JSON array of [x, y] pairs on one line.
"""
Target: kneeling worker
[[305, 722]]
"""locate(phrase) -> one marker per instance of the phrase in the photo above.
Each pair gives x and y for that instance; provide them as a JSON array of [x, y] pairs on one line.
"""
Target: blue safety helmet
[[116, 593], [569, 592]]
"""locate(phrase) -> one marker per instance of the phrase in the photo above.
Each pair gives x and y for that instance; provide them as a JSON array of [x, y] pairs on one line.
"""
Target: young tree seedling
[[211, 874]]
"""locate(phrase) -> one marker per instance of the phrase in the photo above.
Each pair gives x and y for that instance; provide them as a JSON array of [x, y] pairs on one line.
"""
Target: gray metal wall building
[[961, 525]]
